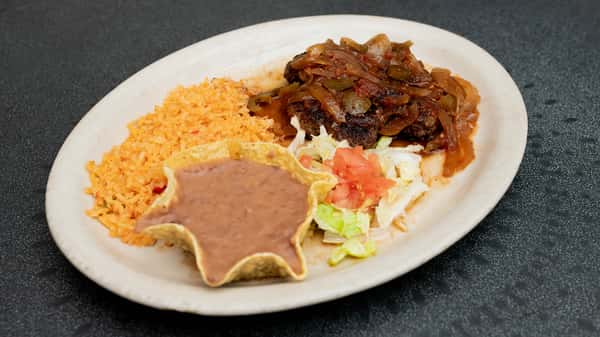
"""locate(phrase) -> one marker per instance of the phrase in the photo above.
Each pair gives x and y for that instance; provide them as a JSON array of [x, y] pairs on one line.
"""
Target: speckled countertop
[[531, 268]]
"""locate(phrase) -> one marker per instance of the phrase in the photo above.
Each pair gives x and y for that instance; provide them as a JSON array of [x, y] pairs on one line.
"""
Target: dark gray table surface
[[531, 268]]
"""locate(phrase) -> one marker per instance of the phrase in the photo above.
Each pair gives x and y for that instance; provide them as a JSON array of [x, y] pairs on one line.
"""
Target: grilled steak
[[360, 92]]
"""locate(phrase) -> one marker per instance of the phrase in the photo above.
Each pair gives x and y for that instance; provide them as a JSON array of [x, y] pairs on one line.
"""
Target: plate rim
[[155, 302]]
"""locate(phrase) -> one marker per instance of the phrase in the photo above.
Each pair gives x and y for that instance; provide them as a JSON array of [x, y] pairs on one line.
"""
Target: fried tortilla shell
[[261, 264]]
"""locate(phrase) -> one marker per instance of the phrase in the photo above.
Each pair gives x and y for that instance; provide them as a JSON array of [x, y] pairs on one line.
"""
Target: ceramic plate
[[163, 278]]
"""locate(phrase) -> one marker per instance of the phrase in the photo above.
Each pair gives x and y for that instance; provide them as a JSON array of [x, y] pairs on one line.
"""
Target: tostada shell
[[258, 265]]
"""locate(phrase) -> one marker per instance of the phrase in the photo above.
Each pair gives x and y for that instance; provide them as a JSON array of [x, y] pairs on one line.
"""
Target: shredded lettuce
[[394, 159], [402, 165], [396, 200], [347, 228], [321, 147], [300, 136], [383, 143], [352, 247], [342, 222], [333, 238]]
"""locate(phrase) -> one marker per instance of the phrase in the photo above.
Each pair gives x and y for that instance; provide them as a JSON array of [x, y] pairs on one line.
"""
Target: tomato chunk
[[360, 180], [306, 160]]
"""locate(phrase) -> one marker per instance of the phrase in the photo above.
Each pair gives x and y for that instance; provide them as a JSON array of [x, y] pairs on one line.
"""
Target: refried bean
[[236, 208]]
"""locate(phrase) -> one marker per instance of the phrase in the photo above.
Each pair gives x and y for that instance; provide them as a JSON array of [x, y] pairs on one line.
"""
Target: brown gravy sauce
[[236, 208]]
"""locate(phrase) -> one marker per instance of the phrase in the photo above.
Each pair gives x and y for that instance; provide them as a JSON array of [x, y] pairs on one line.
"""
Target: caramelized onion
[[342, 55], [316, 49], [421, 92], [306, 76], [348, 42], [360, 72], [307, 60], [449, 103], [354, 104], [420, 76], [361, 91], [471, 94], [320, 72], [401, 46], [442, 78], [299, 96], [396, 100], [366, 88], [353, 65], [449, 129], [465, 124], [378, 47], [397, 124], [328, 102]]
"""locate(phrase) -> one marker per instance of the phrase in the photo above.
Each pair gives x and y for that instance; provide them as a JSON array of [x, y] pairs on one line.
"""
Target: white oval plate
[[160, 277]]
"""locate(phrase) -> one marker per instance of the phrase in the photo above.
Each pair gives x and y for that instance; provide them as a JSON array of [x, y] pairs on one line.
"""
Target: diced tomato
[[345, 195], [355, 198], [340, 192], [306, 160], [374, 162], [359, 178]]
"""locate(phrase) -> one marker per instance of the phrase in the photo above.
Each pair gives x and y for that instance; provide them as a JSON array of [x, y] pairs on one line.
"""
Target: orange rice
[[130, 176]]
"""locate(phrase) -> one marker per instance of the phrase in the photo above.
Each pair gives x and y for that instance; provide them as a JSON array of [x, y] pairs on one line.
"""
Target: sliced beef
[[358, 130], [336, 83], [310, 115], [291, 74]]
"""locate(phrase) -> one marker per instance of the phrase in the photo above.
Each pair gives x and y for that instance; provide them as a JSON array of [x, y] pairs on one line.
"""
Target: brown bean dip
[[236, 208]]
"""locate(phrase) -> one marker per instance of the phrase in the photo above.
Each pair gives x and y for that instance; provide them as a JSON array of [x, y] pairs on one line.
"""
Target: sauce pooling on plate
[[236, 208]]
